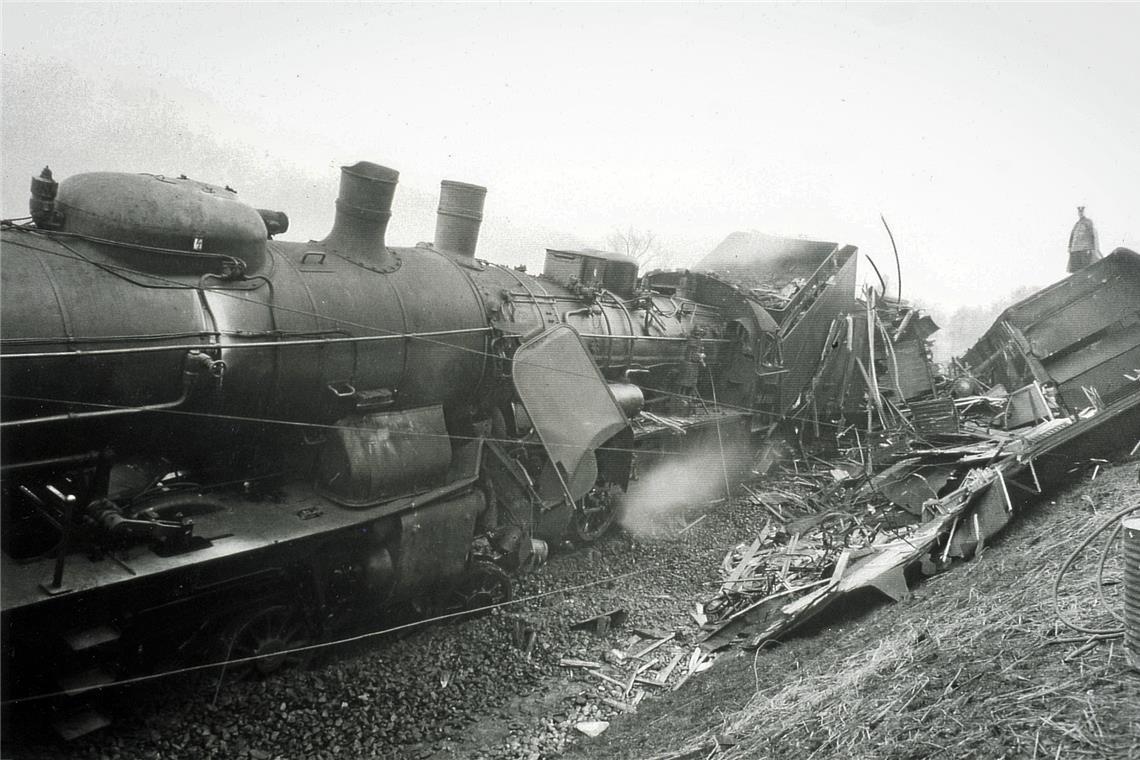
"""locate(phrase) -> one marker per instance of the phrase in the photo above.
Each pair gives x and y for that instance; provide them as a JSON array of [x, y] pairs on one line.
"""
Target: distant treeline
[[961, 328]]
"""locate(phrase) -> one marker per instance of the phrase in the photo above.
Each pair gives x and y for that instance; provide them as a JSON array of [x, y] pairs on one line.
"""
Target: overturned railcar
[[1080, 335]]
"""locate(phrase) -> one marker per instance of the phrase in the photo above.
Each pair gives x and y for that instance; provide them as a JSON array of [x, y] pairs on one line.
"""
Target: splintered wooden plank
[[738, 571], [650, 647], [570, 662], [662, 678]]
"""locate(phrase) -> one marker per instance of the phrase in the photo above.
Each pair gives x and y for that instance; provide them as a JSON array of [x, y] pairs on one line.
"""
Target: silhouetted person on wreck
[[1083, 248]]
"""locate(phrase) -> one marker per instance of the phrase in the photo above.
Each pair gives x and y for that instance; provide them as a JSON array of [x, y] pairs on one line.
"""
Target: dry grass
[[975, 666]]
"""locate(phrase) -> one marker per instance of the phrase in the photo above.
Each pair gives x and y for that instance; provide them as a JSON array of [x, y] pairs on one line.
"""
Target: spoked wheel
[[594, 516], [486, 584], [268, 634]]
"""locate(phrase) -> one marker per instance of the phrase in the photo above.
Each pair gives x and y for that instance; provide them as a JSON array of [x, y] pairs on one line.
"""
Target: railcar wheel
[[269, 634], [594, 516]]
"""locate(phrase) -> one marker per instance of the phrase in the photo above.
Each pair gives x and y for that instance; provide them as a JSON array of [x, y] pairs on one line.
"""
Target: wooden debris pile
[[938, 499], [796, 551], [777, 297], [650, 660]]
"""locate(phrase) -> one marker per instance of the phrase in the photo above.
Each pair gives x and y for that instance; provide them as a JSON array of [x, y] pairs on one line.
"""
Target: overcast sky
[[976, 129]]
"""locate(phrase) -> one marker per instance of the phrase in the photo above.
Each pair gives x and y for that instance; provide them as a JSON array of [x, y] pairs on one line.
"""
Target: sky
[[974, 129]]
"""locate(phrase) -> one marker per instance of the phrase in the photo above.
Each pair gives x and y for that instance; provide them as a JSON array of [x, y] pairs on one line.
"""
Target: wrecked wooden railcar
[[803, 285], [960, 489], [838, 346], [1082, 332]]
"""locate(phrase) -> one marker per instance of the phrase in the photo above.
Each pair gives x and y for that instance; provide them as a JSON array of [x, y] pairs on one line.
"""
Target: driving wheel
[[269, 634], [594, 515]]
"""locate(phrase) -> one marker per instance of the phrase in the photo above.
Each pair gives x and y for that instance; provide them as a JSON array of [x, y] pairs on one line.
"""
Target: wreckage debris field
[[973, 665]]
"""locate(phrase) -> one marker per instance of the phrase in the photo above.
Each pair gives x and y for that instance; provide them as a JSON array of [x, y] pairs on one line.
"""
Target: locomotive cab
[[592, 269]]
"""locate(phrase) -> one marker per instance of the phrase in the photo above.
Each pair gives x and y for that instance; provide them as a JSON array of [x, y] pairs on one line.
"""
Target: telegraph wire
[[333, 426], [327, 426]]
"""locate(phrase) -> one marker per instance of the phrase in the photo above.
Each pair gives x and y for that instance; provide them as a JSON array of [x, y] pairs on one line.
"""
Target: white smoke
[[658, 500]]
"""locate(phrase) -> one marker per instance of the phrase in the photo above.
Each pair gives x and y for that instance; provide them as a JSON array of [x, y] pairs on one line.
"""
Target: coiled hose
[[1113, 522]]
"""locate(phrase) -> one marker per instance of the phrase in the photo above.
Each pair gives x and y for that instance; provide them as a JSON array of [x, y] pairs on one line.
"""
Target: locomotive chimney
[[363, 208], [460, 214]]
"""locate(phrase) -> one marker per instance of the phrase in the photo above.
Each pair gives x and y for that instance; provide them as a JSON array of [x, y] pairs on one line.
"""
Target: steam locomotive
[[213, 436]]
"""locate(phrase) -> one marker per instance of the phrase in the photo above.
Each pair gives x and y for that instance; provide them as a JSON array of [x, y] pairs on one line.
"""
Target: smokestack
[[460, 214], [363, 208]]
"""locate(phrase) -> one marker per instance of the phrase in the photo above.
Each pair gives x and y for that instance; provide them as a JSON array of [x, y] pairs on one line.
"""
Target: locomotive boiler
[[217, 445]]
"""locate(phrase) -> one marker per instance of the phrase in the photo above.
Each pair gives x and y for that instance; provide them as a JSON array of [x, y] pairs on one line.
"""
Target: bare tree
[[640, 245]]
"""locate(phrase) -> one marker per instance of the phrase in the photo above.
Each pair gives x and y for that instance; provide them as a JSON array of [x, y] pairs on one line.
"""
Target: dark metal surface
[[552, 374], [363, 209], [460, 214], [935, 416], [909, 369], [380, 456], [434, 544], [161, 212]]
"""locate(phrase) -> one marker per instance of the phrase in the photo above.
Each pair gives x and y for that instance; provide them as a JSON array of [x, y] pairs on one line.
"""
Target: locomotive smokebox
[[460, 214], [363, 208]]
